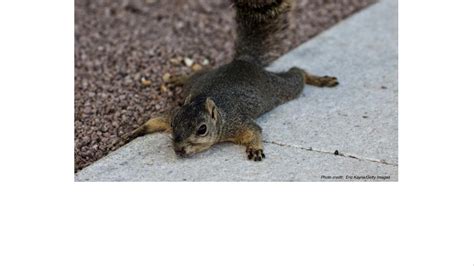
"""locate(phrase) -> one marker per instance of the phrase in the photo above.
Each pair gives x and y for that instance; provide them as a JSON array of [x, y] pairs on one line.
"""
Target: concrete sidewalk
[[359, 119]]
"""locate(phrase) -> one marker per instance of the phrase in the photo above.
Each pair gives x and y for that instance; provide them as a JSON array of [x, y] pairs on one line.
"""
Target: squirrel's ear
[[211, 108]]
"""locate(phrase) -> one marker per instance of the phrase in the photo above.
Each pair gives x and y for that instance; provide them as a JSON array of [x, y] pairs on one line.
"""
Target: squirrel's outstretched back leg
[[185, 79], [288, 85], [314, 80], [249, 134], [310, 79]]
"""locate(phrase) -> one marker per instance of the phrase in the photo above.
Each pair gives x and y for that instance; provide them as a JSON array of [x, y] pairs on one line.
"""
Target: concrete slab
[[151, 158], [358, 118]]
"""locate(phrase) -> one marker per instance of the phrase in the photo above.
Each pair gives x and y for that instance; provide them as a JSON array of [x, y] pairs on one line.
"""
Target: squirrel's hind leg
[[249, 135], [184, 79], [318, 81], [156, 124]]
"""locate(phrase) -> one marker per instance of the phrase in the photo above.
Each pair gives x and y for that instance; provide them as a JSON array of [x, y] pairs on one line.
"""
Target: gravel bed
[[126, 50]]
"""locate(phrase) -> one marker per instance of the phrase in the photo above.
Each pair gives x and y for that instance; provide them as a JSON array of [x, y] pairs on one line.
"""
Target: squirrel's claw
[[328, 81], [255, 154]]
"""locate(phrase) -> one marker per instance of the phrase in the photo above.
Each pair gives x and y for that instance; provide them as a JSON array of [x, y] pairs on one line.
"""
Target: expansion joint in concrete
[[335, 153]]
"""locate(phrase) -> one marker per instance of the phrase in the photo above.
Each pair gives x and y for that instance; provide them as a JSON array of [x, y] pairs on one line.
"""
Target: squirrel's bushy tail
[[261, 26]]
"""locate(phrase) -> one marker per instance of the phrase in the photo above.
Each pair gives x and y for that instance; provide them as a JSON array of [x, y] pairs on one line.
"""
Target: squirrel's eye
[[202, 130]]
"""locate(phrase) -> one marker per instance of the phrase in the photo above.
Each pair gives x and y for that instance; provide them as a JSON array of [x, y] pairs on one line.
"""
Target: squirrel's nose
[[180, 151]]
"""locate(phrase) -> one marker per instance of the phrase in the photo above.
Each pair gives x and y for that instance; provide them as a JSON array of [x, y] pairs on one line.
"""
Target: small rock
[[128, 80], [137, 76], [176, 61], [188, 62], [163, 88], [166, 77], [145, 82], [86, 140], [205, 62], [336, 152], [179, 25], [196, 67]]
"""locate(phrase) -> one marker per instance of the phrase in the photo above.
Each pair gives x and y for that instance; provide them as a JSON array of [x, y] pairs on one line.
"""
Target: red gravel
[[123, 49]]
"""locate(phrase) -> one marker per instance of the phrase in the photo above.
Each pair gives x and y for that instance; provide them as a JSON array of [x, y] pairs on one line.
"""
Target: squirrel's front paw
[[255, 154], [127, 137]]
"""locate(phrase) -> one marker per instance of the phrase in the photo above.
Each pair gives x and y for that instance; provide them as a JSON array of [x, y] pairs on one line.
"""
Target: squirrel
[[221, 104]]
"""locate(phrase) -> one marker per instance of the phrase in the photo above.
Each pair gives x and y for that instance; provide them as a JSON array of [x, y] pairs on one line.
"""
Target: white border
[[424, 219]]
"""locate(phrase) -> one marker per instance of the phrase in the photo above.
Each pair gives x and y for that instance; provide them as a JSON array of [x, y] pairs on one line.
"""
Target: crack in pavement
[[335, 153]]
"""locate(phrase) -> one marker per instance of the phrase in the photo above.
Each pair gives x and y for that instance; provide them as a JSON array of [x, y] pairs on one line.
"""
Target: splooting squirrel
[[222, 104]]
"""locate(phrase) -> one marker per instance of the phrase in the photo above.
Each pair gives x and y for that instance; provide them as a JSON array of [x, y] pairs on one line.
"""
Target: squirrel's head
[[195, 127]]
